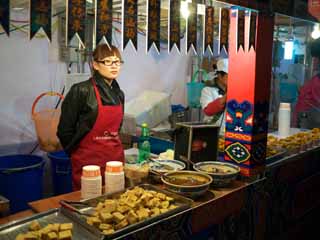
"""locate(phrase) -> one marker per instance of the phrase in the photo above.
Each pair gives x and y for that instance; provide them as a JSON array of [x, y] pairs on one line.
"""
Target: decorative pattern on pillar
[[248, 95]]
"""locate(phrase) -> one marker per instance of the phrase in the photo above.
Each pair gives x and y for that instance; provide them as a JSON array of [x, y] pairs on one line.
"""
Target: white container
[[114, 177], [284, 120], [91, 182]]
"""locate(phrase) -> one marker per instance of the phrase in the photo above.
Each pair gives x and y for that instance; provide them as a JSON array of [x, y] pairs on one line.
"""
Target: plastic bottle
[[144, 144], [284, 120], [91, 182], [114, 177]]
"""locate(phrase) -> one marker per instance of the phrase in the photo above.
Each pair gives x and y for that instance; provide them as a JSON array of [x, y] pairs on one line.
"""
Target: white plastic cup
[[284, 120]]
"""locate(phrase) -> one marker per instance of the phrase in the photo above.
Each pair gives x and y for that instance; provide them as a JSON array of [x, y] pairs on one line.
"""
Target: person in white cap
[[213, 96]]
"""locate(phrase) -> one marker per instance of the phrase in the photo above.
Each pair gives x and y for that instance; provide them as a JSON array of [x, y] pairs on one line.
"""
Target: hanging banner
[[130, 23], [224, 28], [5, 15], [40, 17], [252, 30], [192, 27], [76, 13], [174, 24], [103, 21], [153, 24], [209, 29], [314, 8], [240, 29]]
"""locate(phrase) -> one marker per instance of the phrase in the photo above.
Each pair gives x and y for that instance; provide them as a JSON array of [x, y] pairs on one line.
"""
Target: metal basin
[[222, 173], [188, 183]]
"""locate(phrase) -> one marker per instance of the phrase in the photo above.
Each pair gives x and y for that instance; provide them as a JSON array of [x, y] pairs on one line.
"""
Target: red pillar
[[248, 95]]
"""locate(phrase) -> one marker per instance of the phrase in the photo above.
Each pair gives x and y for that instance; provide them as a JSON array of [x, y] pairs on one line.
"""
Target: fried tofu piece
[[121, 224], [118, 217], [161, 196], [43, 233], [30, 236], [66, 226], [132, 217], [106, 217], [163, 210], [20, 236], [95, 221], [108, 232], [155, 211], [154, 202], [65, 235], [34, 226], [123, 209], [172, 206], [99, 206], [165, 204], [110, 205], [55, 227], [169, 199], [104, 226], [143, 213], [52, 236]]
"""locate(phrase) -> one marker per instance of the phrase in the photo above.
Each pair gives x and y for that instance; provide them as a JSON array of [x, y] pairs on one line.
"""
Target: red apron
[[102, 144]]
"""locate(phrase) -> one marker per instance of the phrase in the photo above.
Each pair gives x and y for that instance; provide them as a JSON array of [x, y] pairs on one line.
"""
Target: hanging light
[[316, 31]]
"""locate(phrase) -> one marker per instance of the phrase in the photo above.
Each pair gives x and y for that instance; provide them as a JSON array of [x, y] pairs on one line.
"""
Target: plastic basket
[[194, 89], [46, 124]]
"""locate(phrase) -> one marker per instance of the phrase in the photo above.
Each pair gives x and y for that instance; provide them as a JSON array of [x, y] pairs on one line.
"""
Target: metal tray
[[183, 204], [11, 230], [276, 157]]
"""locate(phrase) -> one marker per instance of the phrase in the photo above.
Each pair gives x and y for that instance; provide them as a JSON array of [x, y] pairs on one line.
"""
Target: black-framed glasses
[[110, 63]]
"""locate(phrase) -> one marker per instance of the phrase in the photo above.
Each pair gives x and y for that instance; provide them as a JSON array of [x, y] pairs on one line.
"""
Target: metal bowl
[[154, 167], [220, 178], [191, 184]]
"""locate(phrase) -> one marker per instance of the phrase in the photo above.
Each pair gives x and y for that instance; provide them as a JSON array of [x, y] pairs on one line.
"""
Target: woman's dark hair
[[104, 50], [315, 48], [222, 73]]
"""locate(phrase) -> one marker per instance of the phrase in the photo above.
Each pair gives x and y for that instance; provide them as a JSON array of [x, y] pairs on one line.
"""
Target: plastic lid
[[91, 171], [285, 105], [114, 166]]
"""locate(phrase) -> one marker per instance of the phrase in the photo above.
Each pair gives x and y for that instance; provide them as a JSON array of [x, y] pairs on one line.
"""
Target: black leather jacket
[[79, 109]]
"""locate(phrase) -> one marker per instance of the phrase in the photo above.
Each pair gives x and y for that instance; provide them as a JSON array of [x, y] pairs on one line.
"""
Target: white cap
[[222, 65]]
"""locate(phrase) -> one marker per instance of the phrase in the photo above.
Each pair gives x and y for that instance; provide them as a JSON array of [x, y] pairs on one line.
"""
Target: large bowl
[[188, 183], [154, 167], [224, 172]]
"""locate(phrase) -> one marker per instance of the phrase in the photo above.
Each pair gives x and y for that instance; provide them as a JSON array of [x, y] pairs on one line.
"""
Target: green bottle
[[144, 144]]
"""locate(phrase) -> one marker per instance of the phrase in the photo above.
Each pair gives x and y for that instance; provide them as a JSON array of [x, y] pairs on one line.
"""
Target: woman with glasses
[[92, 114]]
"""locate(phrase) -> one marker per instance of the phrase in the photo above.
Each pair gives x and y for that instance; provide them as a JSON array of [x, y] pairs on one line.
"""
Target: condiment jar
[[91, 182], [114, 177]]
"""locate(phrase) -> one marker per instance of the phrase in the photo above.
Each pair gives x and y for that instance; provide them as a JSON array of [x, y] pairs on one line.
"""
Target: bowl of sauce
[[188, 183]]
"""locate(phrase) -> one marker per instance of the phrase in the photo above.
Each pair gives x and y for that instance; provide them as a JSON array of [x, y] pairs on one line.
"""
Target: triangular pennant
[[5, 15], [209, 29], [224, 28], [174, 24], [240, 29], [104, 21], [76, 15], [40, 17], [153, 24], [130, 23], [192, 27], [252, 31]]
